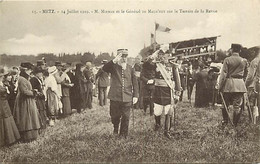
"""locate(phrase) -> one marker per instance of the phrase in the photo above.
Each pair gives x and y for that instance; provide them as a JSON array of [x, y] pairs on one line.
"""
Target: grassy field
[[87, 137]]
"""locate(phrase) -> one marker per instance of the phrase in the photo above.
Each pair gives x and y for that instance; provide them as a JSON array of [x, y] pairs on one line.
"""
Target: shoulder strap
[[165, 74]]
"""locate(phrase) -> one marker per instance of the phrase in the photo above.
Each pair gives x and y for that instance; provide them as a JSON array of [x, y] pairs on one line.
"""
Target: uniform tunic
[[122, 90], [231, 82], [162, 94], [253, 82], [123, 83]]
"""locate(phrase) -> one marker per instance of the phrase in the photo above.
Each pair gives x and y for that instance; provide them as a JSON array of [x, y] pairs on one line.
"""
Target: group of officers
[[162, 87]]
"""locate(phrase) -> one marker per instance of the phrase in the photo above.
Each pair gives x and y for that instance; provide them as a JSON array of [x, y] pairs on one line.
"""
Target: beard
[[123, 65]]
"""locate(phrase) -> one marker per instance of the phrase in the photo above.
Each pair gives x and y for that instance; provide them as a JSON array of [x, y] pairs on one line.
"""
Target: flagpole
[[154, 45], [155, 33]]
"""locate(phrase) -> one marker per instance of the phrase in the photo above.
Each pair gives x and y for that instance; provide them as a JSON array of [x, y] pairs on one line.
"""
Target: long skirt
[[41, 105], [52, 103], [66, 105], [8, 131], [26, 117]]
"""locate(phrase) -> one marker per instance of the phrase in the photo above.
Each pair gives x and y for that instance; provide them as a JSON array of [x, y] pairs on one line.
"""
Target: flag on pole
[[152, 38], [161, 28]]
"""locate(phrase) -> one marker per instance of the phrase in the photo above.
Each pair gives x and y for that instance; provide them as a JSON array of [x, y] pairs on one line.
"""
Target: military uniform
[[253, 83], [165, 82], [232, 83], [122, 90]]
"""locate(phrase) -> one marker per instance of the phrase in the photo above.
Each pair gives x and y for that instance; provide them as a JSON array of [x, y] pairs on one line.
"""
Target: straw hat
[[52, 70]]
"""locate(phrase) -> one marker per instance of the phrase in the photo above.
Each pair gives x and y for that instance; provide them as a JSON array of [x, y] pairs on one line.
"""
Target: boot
[[167, 126], [236, 117], [151, 106], [115, 132], [225, 117], [157, 123]]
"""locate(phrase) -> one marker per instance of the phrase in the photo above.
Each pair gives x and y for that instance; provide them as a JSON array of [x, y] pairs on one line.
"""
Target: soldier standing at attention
[[123, 91], [167, 89], [231, 82]]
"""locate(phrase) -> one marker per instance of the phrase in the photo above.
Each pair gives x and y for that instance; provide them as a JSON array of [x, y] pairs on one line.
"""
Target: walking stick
[[225, 106], [174, 118], [248, 107], [133, 118]]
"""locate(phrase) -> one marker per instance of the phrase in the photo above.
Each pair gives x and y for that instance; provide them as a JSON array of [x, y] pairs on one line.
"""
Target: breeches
[[158, 109], [235, 99]]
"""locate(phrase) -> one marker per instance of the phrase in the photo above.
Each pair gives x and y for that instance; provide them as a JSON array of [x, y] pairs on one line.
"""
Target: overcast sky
[[23, 32]]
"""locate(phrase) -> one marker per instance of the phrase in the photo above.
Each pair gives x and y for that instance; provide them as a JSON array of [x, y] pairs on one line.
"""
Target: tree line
[[15, 60]]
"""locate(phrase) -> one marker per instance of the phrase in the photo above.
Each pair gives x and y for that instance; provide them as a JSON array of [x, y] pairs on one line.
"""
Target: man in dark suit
[[147, 77], [123, 91], [231, 82], [103, 83]]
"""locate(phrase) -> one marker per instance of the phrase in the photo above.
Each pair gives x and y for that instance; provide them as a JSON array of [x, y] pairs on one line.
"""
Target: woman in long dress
[[53, 95], [80, 82], [26, 114], [202, 96], [65, 87], [8, 131], [37, 84]]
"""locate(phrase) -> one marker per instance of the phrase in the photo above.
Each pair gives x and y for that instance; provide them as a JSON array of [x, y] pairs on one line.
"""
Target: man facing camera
[[123, 91]]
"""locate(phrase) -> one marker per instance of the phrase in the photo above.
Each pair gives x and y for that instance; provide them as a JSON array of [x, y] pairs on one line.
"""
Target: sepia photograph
[[94, 81]]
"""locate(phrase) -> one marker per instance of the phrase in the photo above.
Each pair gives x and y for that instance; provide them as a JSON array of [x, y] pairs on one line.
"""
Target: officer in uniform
[[253, 83], [167, 89], [231, 82], [123, 91]]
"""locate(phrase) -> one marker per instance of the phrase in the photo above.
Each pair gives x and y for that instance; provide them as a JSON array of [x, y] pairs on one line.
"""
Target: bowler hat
[[26, 65], [39, 63]]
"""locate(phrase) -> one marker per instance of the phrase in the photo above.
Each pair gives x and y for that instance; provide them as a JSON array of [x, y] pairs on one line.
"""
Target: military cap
[[236, 47]]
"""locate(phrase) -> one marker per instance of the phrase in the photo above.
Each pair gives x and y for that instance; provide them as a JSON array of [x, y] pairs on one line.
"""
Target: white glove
[[177, 97], [135, 99], [217, 86], [117, 58], [150, 81]]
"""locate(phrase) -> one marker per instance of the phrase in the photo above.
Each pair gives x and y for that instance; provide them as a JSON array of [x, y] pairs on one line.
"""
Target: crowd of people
[[35, 96]]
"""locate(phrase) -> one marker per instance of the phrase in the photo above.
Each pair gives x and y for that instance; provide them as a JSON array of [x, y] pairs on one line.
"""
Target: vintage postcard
[[129, 81]]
